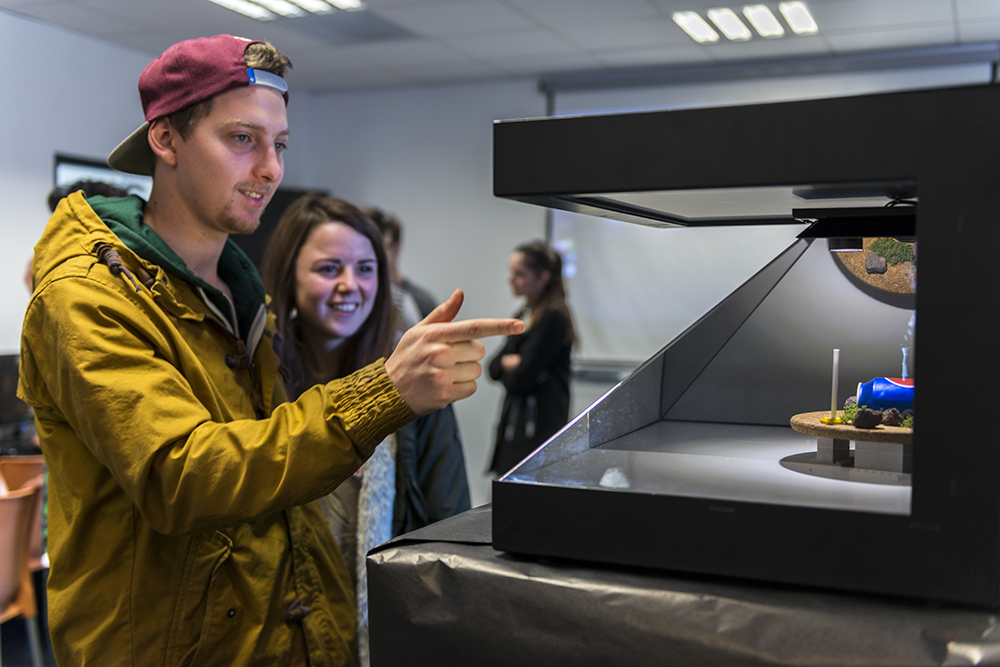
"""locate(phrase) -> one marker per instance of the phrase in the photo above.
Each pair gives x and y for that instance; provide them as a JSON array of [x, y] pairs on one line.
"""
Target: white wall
[[426, 155], [62, 93]]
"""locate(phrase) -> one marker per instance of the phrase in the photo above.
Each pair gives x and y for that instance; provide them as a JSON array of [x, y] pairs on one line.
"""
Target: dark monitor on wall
[[12, 409], [255, 244], [68, 169]]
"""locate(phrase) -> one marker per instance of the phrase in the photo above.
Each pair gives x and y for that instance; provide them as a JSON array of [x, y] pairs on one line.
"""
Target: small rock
[[851, 400], [867, 418], [892, 417], [875, 264], [614, 478]]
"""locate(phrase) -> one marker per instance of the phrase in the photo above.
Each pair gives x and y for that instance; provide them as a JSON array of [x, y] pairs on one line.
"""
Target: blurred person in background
[[413, 301], [534, 367]]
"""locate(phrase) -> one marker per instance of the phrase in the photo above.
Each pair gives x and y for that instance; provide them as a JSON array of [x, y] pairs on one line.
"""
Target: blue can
[[885, 393]]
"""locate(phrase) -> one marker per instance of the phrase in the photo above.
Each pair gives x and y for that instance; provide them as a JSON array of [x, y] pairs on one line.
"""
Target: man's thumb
[[446, 311]]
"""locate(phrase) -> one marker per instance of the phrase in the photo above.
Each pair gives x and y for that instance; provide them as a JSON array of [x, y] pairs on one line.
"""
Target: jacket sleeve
[[436, 485], [538, 349], [100, 373]]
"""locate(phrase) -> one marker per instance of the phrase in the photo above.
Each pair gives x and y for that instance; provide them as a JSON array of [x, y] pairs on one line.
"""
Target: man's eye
[[280, 146], [241, 138]]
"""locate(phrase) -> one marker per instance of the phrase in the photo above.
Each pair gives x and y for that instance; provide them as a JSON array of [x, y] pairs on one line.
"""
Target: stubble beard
[[236, 226]]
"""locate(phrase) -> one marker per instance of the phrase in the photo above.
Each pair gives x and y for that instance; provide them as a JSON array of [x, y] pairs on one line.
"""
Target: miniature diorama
[[722, 453], [878, 419]]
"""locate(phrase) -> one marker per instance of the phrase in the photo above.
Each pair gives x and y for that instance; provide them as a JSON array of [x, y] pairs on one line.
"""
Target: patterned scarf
[[375, 501]]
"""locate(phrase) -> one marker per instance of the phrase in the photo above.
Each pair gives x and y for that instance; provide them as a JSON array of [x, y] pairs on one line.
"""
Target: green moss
[[849, 413], [893, 251]]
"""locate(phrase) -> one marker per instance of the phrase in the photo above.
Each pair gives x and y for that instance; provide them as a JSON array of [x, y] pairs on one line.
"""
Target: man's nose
[[270, 167]]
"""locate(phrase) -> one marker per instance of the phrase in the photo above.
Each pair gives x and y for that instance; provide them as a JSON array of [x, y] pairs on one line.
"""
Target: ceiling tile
[[850, 15], [672, 55], [651, 32], [78, 19], [529, 65], [979, 31], [306, 64], [380, 4], [145, 41], [892, 39], [511, 44], [466, 70], [465, 18], [563, 13], [400, 54], [329, 81], [967, 10], [343, 28], [758, 49]]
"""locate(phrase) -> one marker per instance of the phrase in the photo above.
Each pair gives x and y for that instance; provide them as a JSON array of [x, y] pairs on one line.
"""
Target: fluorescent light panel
[[696, 27], [763, 21], [730, 24], [315, 6], [246, 8], [348, 5], [268, 10], [281, 7], [798, 17]]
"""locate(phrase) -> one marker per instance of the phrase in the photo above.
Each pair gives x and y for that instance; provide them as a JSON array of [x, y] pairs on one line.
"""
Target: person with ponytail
[[534, 367]]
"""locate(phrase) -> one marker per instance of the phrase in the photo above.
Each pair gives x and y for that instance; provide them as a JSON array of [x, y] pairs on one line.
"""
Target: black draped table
[[442, 595]]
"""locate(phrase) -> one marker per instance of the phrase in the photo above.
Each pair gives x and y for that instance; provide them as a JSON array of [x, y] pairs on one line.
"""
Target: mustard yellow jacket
[[181, 527]]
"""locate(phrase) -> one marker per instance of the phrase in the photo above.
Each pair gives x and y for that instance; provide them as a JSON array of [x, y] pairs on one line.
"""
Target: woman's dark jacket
[[536, 405], [431, 483]]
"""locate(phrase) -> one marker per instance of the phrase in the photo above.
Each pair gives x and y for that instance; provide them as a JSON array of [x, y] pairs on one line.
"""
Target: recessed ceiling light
[[763, 21], [348, 5], [268, 10], [799, 18], [696, 27], [730, 24], [315, 6], [282, 7], [246, 8]]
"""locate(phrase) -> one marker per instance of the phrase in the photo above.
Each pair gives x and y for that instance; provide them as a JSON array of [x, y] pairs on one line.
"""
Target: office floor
[[15, 651]]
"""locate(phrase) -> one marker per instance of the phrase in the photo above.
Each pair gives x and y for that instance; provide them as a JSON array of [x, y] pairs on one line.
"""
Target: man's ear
[[162, 139]]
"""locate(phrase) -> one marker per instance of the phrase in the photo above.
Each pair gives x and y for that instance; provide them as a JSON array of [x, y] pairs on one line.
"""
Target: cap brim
[[134, 156]]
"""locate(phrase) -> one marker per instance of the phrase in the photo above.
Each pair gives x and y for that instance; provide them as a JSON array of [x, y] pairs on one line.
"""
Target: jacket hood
[[80, 224]]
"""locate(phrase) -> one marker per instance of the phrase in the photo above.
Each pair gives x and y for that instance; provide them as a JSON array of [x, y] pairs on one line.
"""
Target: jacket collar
[[124, 217]]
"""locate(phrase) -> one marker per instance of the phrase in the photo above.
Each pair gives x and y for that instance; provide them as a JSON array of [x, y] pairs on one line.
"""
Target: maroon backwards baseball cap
[[187, 73]]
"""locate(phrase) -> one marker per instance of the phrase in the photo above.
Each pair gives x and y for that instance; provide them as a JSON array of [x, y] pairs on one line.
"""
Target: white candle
[[836, 372]]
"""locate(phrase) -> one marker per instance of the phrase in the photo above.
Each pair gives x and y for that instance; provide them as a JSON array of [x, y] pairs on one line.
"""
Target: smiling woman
[[328, 276]]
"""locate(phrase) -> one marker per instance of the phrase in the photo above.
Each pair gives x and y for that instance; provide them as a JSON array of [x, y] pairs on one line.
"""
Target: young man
[[181, 527]]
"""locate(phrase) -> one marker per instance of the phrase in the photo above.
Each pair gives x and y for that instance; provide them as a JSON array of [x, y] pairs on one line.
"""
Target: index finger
[[453, 332]]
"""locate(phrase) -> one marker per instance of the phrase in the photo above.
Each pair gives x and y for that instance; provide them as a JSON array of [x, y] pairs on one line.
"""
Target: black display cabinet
[[641, 479]]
